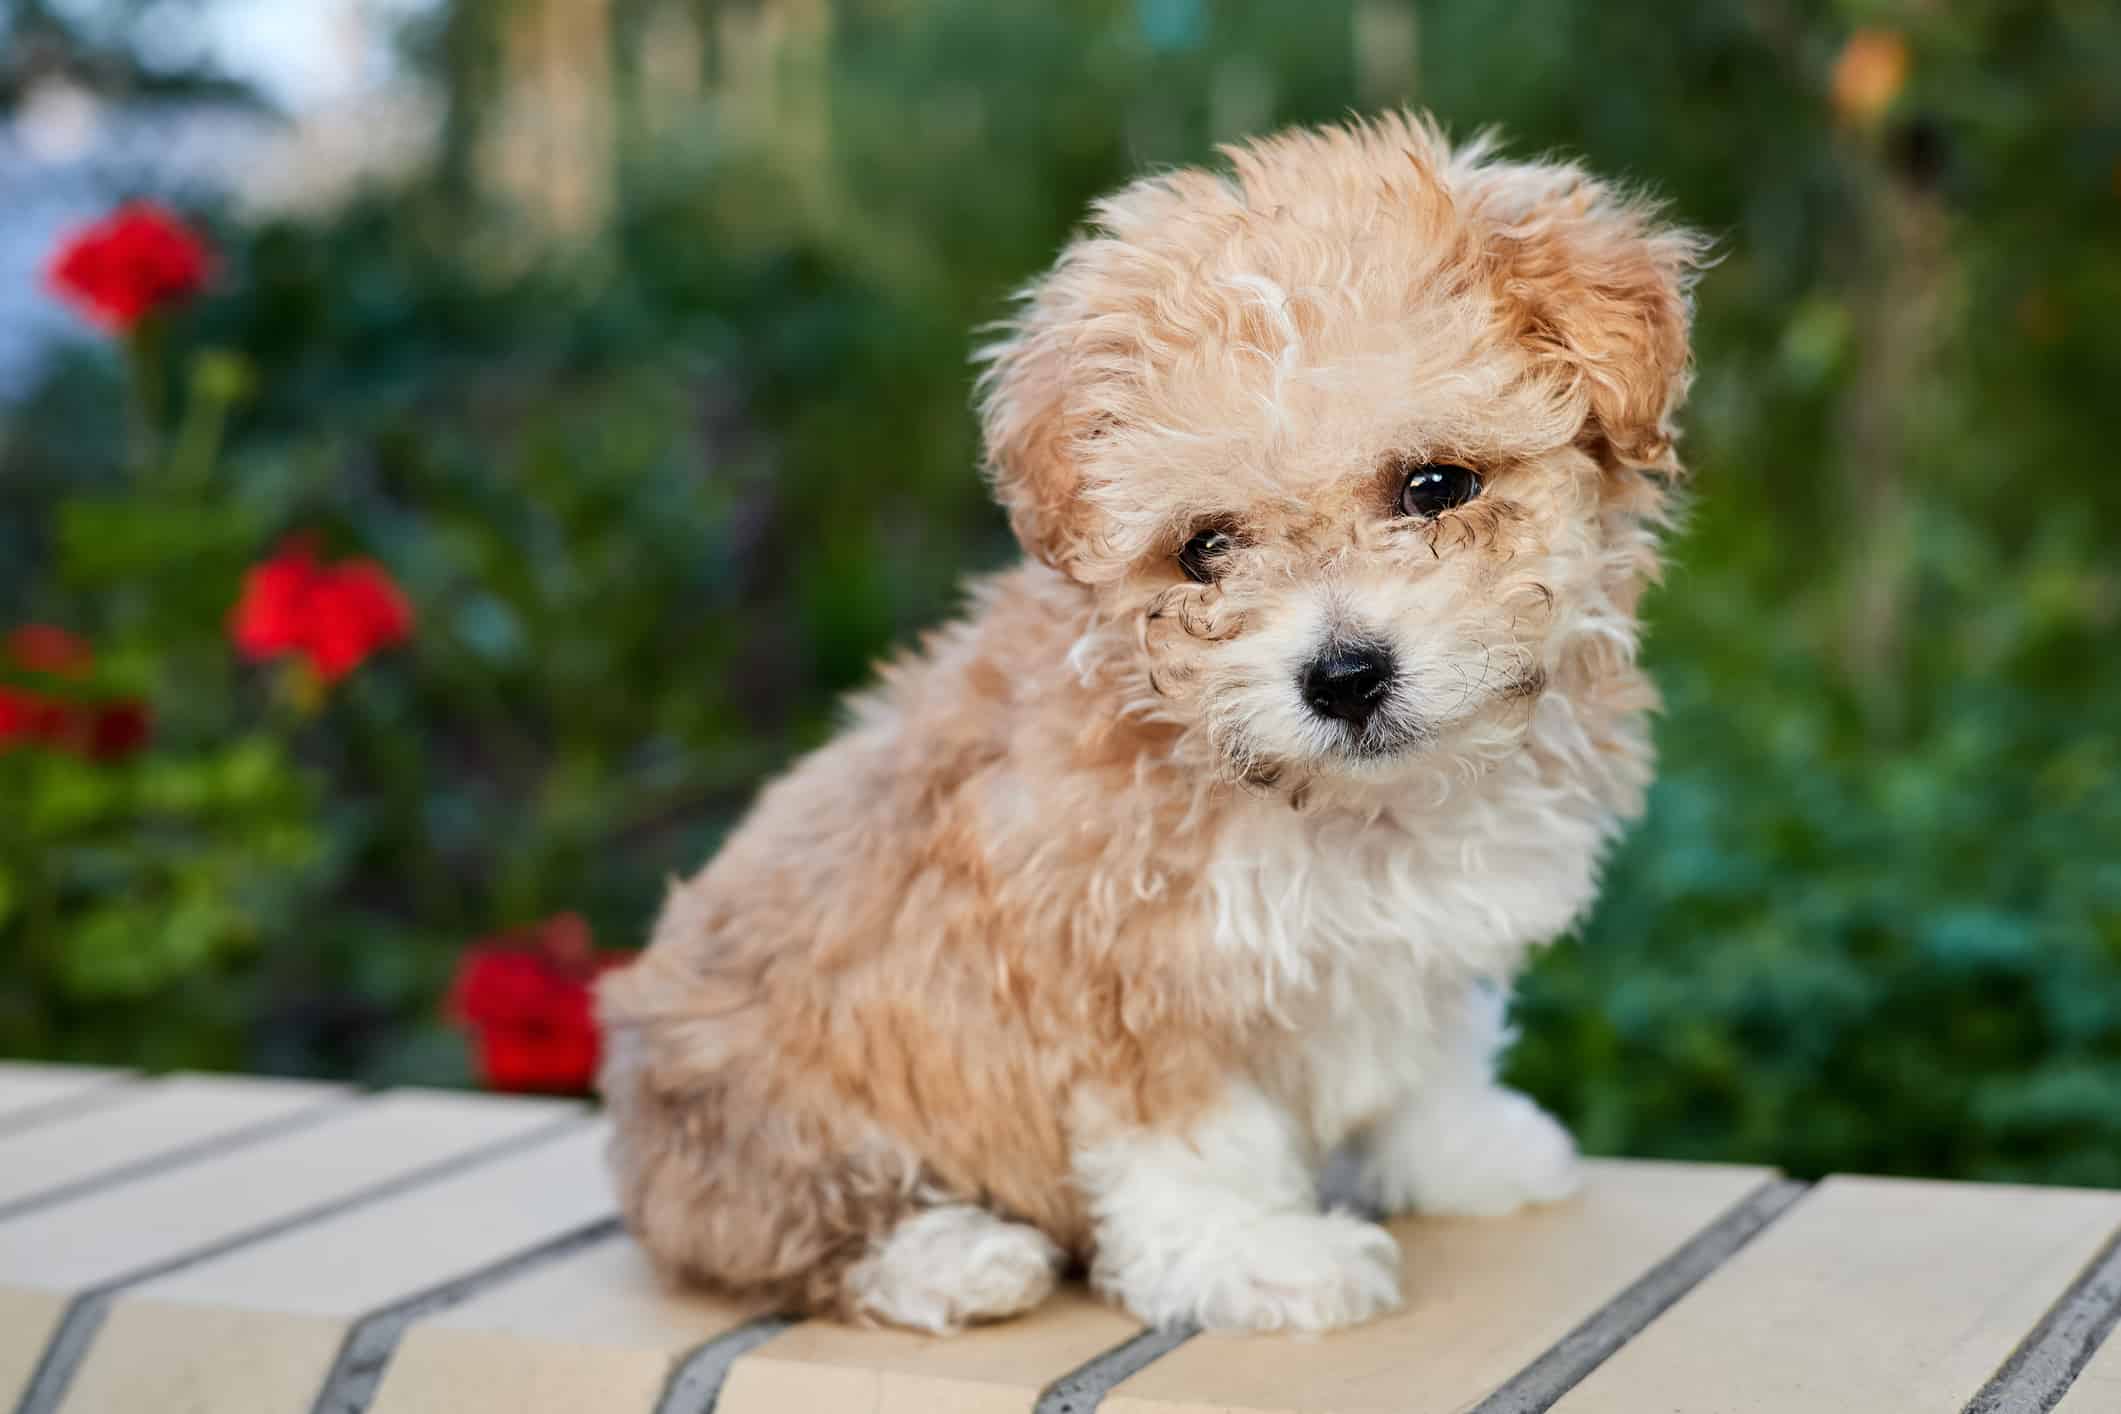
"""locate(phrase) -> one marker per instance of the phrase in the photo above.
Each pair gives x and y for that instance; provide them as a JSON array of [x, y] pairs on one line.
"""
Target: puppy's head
[[1362, 440]]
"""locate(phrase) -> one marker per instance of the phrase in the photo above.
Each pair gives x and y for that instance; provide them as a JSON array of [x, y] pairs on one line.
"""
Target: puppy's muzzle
[[1349, 681]]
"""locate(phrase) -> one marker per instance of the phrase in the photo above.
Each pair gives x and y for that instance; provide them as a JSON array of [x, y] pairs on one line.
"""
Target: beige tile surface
[[31, 1086], [28, 1320], [997, 1369], [2098, 1387], [158, 1117], [1871, 1295], [596, 1330], [205, 1360], [48, 1255], [170, 1345], [107, 1234], [1485, 1297]]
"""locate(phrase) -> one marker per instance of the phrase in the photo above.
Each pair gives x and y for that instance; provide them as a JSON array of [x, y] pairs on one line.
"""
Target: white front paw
[[1288, 1271], [947, 1267], [1478, 1153]]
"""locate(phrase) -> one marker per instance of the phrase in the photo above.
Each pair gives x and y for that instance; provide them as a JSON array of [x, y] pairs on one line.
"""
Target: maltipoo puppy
[[1211, 839]]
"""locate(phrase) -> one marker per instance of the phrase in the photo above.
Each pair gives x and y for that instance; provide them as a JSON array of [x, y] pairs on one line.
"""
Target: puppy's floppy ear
[[1063, 384], [1600, 288], [1033, 433]]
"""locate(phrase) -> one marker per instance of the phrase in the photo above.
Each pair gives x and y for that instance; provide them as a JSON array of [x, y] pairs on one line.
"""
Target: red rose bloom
[[101, 731], [333, 615], [134, 262], [273, 614], [24, 717], [106, 731], [525, 997], [40, 648], [115, 730]]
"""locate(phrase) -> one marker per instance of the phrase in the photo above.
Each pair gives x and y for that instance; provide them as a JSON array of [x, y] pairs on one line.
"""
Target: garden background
[[627, 340]]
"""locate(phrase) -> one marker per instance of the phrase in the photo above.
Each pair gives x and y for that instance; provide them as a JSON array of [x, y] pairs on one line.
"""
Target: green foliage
[[661, 489]]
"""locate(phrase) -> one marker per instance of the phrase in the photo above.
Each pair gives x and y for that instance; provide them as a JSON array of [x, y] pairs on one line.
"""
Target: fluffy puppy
[[1210, 839]]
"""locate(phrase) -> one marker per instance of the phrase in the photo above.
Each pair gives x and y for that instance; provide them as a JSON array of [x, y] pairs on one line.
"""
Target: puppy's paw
[[949, 1267], [1475, 1153], [1289, 1271]]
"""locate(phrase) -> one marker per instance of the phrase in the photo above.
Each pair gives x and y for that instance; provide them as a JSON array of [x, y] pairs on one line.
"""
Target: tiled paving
[[200, 1245], [31, 1094]]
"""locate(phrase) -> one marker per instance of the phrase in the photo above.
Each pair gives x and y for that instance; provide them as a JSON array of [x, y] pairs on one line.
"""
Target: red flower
[[106, 731], [40, 648], [115, 730], [136, 261], [334, 615], [525, 997], [24, 717], [101, 731]]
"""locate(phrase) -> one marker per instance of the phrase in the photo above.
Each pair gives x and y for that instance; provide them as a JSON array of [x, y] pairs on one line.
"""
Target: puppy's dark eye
[[1436, 487], [1201, 558]]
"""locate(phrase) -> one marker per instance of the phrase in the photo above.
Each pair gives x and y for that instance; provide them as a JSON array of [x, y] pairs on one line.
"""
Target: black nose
[[1348, 682]]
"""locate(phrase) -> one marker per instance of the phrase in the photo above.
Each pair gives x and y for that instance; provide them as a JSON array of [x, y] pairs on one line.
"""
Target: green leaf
[[108, 541]]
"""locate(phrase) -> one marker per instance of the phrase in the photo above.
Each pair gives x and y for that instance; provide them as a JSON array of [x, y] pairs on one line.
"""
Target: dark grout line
[[365, 1354], [86, 1312], [2048, 1361], [210, 1147], [1542, 1383], [696, 1384], [96, 1095], [1084, 1388]]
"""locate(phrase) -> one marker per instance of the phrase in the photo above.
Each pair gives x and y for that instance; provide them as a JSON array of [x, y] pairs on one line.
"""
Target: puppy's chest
[[1356, 1047], [1372, 929]]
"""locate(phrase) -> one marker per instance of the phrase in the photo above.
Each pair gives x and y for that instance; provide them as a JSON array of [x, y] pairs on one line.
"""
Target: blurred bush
[[651, 392]]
